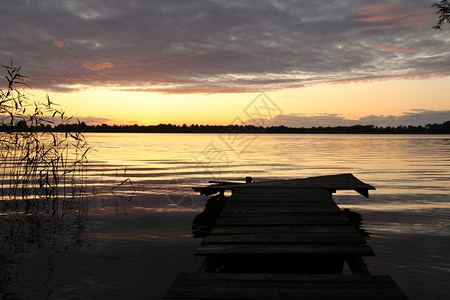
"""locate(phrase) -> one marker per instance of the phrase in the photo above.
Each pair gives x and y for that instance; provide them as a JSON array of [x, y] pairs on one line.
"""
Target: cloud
[[391, 15], [414, 117], [98, 66], [60, 44], [382, 12], [418, 117], [94, 120], [300, 120], [394, 48], [216, 46]]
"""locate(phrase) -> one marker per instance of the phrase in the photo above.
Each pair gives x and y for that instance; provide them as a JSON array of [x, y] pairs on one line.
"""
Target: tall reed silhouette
[[36, 160]]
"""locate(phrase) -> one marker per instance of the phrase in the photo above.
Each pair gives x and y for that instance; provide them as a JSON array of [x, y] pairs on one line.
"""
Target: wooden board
[[286, 238], [275, 202], [282, 286], [283, 202], [320, 196], [330, 182], [219, 230], [307, 249], [264, 209], [290, 191], [280, 220], [292, 200], [276, 222], [307, 218]]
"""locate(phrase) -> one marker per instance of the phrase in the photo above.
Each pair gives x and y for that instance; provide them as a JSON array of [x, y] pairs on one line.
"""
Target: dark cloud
[[413, 117], [219, 46], [94, 120]]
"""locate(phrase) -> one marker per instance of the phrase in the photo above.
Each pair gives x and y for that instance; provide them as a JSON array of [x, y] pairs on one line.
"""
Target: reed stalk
[[37, 161]]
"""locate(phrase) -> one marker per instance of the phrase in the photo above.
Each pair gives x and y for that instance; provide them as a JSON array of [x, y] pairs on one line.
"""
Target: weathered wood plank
[[283, 277], [278, 195], [281, 204], [346, 180], [329, 182], [307, 215], [281, 229], [266, 221], [280, 239], [278, 187], [286, 280], [281, 200], [261, 209], [285, 190], [236, 293], [291, 200], [283, 219], [282, 286], [274, 191], [284, 295], [310, 249]]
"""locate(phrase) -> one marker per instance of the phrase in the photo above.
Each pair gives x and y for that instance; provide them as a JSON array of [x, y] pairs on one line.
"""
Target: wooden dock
[[284, 240]]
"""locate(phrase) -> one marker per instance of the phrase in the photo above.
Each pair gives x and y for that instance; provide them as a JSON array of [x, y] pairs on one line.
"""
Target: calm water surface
[[131, 235]]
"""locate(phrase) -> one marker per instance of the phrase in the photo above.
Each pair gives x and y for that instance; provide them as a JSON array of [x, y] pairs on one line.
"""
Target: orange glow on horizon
[[351, 99]]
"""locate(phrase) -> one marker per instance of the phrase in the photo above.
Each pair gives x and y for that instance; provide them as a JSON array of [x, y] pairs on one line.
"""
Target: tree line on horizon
[[443, 128]]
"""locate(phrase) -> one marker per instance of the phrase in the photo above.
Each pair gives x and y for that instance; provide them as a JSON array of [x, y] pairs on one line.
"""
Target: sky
[[294, 62]]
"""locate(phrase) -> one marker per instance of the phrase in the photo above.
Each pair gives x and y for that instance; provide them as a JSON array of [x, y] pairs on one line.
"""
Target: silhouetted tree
[[443, 10]]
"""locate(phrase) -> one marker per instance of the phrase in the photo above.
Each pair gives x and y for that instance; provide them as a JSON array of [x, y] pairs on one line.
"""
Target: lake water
[[131, 235]]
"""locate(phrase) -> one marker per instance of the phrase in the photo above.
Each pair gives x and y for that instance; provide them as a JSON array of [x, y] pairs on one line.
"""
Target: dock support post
[[357, 265], [210, 265]]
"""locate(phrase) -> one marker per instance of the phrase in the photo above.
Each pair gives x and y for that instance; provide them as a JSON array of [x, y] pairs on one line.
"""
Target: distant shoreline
[[443, 128]]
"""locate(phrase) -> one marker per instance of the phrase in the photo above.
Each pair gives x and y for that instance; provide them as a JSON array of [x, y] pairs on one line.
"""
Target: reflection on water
[[403, 164], [132, 240], [357, 221], [32, 226], [204, 221]]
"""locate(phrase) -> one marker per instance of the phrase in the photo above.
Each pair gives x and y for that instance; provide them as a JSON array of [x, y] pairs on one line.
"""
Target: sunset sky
[[207, 61]]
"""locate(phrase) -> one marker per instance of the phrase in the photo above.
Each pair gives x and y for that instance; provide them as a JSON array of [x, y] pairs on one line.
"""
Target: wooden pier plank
[[256, 189], [330, 182], [281, 196], [284, 192], [281, 286], [283, 215], [306, 249], [280, 239], [264, 209], [286, 201], [283, 219], [278, 221], [216, 230], [281, 203], [291, 200], [313, 224]]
